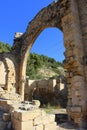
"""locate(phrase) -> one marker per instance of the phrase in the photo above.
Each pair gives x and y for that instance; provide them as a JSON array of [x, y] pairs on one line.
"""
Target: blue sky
[[14, 17]]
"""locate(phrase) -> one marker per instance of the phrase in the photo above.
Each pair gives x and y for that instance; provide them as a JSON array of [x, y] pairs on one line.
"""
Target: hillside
[[39, 66]]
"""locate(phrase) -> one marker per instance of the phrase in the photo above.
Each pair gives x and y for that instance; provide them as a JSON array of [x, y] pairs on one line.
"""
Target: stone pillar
[[73, 63], [21, 86], [23, 65], [82, 7]]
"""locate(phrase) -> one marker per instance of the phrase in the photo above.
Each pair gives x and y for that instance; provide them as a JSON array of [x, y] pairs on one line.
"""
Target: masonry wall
[[46, 88], [82, 7], [2, 74], [75, 36], [8, 75], [15, 115], [40, 85]]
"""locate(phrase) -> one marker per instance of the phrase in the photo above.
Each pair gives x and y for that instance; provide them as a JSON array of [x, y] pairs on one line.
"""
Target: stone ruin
[[24, 115], [47, 91], [70, 16]]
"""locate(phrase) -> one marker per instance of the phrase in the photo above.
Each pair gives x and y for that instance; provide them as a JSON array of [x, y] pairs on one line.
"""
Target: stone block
[[44, 119], [68, 53], [52, 117], [48, 119], [36, 102], [77, 93], [43, 113], [6, 117], [78, 84], [18, 125], [27, 115], [76, 109], [51, 126], [38, 120], [77, 79], [16, 115], [39, 127], [3, 102]]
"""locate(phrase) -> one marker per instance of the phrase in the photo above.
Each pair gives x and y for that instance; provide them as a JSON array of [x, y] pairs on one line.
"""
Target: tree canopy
[[4, 47], [36, 62]]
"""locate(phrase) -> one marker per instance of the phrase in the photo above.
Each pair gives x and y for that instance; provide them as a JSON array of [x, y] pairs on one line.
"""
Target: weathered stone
[[35, 88], [39, 127], [48, 119], [6, 117], [27, 115], [18, 125], [38, 121], [51, 126], [76, 109], [18, 35], [36, 102]]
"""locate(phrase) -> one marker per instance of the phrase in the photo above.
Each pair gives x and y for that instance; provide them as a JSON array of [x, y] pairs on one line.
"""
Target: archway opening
[[45, 70], [50, 43], [48, 47]]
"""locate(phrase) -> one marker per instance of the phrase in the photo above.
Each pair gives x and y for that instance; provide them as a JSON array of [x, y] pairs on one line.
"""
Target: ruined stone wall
[[2, 74], [8, 71], [40, 85], [9, 77], [15, 115], [75, 69], [43, 86], [82, 7], [33, 119]]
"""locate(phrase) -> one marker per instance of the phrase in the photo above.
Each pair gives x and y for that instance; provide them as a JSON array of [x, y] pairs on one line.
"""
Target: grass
[[49, 109]]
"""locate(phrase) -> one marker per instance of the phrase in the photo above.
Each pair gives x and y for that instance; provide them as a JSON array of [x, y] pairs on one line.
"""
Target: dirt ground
[[61, 118]]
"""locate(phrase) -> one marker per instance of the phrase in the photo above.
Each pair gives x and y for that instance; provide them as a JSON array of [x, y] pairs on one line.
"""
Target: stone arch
[[65, 16], [3, 73], [8, 72], [11, 78], [46, 18]]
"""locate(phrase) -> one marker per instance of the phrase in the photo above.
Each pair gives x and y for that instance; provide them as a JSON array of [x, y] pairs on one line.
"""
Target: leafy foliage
[[4, 47], [36, 62]]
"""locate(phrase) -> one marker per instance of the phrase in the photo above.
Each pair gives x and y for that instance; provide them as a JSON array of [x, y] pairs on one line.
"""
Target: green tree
[[36, 62], [4, 47]]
